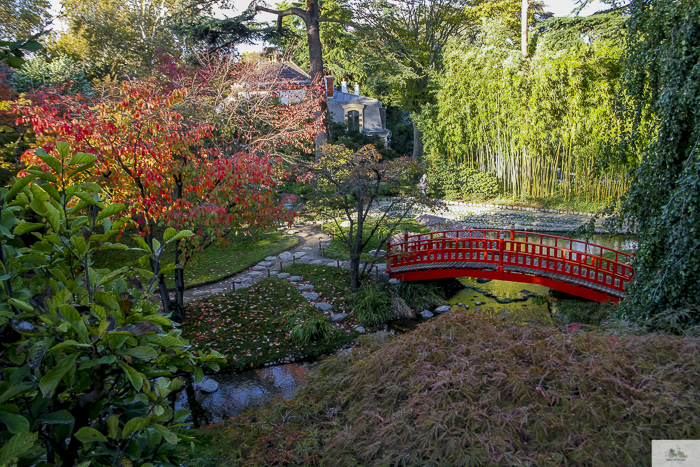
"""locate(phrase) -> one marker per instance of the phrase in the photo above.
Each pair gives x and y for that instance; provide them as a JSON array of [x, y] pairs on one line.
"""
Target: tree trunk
[[179, 307], [524, 42], [417, 142], [313, 35]]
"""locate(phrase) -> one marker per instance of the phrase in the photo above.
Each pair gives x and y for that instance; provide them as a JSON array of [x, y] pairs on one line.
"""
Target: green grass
[[249, 327], [331, 283], [558, 202], [337, 249], [214, 263]]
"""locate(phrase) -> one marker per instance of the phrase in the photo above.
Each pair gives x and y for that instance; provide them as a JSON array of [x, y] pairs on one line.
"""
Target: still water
[[240, 391]]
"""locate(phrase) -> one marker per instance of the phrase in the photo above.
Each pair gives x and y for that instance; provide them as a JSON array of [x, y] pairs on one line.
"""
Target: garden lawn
[[337, 249], [214, 263], [248, 326]]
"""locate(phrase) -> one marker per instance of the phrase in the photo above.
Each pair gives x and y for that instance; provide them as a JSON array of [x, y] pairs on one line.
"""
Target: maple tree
[[181, 157]]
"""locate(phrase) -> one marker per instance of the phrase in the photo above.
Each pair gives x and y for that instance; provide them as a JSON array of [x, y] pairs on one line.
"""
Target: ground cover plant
[[214, 263], [471, 389], [371, 304], [251, 326]]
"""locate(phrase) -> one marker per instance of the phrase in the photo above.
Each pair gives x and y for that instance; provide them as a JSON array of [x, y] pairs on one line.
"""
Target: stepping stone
[[337, 317], [426, 314], [199, 293], [331, 263], [360, 329], [255, 273], [274, 259], [442, 309], [380, 266], [310, 296], [318, 262], [299, 254], [295, 278], [306, 248], [323, 306], [304, 287], [303, 234], [283, 275], [217, 291], [257, 267], [292, 232], [266, 264], [209, 386], [393, 281]]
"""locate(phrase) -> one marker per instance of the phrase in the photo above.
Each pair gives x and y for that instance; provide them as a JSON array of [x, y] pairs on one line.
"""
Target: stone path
[[307, 252]]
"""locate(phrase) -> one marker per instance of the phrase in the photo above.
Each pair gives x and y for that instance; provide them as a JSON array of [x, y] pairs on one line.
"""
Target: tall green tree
[[117, 38], [21, 19], [662, 89]]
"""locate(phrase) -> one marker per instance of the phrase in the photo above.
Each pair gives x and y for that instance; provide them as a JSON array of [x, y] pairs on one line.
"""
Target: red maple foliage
[[184, 153]]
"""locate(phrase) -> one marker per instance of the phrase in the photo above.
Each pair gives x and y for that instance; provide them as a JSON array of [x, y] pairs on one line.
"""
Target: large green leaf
[[81, 158], [15, 422], [16, 446], [75, 320], [111, 210], [13, 391], [134, 425], [51, 161], [18, 186], [179, 235], [168, 234], [89, 435], [50, 380], [24, 227], [133, 376], [143, 352], [57, 418]]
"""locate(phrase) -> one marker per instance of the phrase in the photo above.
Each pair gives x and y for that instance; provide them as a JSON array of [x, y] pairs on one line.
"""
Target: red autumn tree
[[171, 154]]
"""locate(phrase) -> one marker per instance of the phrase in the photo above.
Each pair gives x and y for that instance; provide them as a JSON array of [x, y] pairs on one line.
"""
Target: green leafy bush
[[371, 304], [38, 72], [307, 325], [422, 295], [455, 181], [87, 360], [494, 392]]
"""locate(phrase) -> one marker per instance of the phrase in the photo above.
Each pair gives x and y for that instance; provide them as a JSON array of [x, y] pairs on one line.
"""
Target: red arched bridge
[[568, 265]]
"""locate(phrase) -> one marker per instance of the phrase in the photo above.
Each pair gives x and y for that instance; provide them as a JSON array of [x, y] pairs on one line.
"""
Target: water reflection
[[239, 391]]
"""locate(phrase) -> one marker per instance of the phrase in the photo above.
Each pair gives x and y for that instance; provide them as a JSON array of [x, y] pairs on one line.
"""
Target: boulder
[[208, 386], [303, 234], [504, 300], [323, 306], [426, 314], [482, 281], [318, 262], [360, 329], [442, 309], [336, 318], [393, 281]]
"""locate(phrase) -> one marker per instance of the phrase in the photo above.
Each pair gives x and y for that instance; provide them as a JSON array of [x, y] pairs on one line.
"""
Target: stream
[[238, 392]]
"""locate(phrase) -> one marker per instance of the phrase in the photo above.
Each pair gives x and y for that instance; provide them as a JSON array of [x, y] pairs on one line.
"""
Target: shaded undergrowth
[[468, 389]]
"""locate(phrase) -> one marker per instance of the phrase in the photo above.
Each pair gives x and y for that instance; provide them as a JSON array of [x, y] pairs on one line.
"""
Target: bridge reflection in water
[[573, 266]]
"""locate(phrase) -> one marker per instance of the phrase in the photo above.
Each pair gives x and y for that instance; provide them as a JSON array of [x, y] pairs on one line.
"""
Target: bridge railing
[[516, 252]]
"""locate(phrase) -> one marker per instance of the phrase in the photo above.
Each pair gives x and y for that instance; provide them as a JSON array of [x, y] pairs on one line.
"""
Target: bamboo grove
[[539, 124]]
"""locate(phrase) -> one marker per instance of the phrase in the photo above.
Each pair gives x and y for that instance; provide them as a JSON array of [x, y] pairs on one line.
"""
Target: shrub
[[306, 325], [87, 360], [371, 304], [422, 295], [38, 72], [453, 180], [493, 392]]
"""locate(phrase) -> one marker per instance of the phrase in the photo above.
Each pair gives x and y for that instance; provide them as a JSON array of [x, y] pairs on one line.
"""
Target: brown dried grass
[[471, 390]]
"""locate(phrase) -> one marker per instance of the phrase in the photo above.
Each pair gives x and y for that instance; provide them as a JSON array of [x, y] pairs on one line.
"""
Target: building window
[[354, 120]]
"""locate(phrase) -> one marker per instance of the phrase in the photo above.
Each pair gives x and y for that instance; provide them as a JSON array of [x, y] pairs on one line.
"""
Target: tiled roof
[[287, 71], [340, 96]]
